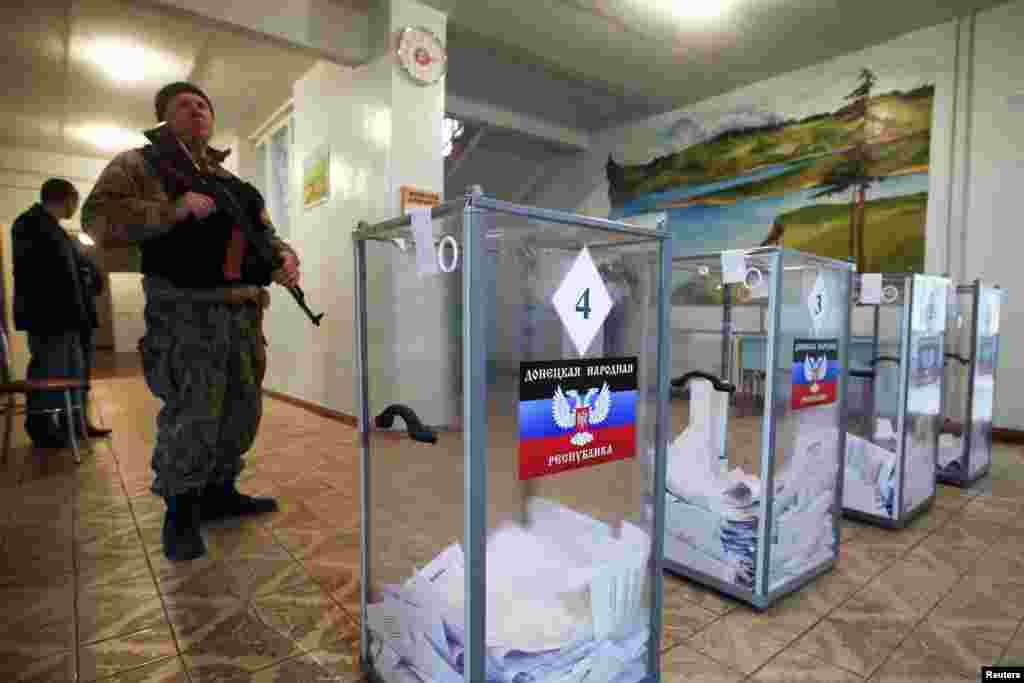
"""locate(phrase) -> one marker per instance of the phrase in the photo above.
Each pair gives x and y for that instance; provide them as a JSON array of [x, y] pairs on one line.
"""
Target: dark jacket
[[48, 294], [91, 280]]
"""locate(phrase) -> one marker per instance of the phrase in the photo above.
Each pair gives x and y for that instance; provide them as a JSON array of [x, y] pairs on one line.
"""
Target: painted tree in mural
[[851, 173]]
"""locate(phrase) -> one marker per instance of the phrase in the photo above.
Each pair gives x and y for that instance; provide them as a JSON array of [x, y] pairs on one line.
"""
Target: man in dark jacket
[[50, 304]]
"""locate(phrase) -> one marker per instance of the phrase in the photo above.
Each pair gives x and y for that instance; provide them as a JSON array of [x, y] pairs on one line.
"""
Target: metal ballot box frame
[[753, 496], [895, 397], [972, 357], [514, 527]]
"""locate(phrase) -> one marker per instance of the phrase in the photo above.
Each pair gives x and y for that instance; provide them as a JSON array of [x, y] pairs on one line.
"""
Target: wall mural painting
[[851, 183]]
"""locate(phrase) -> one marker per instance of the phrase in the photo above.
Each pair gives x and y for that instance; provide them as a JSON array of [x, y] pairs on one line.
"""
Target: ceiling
[[653, 61], [581, 64], [55, 88]]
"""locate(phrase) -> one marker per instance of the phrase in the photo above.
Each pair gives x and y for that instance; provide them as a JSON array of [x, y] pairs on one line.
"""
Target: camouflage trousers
[[206, 362]]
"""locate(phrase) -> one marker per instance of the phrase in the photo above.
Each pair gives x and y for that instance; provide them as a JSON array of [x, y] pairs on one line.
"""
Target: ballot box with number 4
[[513, 384]]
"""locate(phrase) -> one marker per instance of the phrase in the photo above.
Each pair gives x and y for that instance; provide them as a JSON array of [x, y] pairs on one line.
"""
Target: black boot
[[223, 500], [181, 537]]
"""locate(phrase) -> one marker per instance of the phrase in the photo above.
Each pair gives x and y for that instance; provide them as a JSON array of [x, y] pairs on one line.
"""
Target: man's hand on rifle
[[199, 205], [288, 273]]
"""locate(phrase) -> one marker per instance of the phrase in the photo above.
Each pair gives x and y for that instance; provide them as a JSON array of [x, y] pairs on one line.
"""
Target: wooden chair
[[11, 388]]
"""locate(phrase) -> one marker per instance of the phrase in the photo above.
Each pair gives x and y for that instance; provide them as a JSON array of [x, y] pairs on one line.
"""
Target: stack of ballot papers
[[566, 602], [803, 528], [951, 454], [713, 514], [869, 483]]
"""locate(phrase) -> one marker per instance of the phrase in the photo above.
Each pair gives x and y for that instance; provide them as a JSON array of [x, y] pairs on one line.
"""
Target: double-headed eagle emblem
[[815, 369], [591, 409]]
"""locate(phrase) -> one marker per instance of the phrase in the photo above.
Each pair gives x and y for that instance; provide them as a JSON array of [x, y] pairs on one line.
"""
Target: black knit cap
[[167, 93]]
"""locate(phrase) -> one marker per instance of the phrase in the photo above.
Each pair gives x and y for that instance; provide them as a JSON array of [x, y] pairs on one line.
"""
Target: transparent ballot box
[[513, 397], [895, 396], [759, 343], [972, 354]]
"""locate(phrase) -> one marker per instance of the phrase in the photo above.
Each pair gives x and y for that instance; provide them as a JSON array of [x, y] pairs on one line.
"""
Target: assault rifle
[[178, 169]]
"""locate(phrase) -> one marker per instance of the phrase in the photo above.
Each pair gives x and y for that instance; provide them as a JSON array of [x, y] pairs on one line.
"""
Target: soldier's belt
[[237, 296]]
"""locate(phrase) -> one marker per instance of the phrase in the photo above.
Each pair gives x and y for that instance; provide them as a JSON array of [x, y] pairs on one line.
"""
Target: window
[[452, 131], [278, 171]]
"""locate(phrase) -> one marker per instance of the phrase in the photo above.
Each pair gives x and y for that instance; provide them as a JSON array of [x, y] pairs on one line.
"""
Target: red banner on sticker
[[551, 455], [808, 395]]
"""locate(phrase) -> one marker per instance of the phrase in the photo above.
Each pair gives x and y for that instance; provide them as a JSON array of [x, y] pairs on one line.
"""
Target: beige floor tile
[[304, 669], [858, 636], [242, 540], [996, 511], [236, 639], [960, 650], [342, 661], [126, 653], [961, 544], [735, 641], [976, 611], [886, 546], [864, 558], [701, 596], [113, 570], [308, 616], [1014, 653], [171, 670], [38, 642], [911, 585], [683, 664], [681, 619], [784, 621], [59, 668], [828, 591], [792, 666], [112, 610], [932, 520], [909, 664], [25, 608]]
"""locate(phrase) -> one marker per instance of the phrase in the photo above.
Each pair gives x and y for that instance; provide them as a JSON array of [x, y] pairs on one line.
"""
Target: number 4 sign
[[582, 302]]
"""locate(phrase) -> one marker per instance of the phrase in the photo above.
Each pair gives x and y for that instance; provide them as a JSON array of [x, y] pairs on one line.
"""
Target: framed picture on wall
[[316, 177]]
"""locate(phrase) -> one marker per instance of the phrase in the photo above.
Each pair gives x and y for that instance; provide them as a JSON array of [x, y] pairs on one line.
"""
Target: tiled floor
[[86, 594]]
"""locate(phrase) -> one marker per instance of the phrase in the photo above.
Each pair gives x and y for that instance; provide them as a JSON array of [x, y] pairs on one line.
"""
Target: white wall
[[22, 174], [383, 132], [994, 179], [128, 311]]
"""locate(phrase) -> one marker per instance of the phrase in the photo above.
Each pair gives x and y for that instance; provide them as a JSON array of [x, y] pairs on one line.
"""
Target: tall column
[[424, 351]]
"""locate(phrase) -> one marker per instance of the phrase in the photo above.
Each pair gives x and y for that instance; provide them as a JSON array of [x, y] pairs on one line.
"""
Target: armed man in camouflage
[[204, 351]]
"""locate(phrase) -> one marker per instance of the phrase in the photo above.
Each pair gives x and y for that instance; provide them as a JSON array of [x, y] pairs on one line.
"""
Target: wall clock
[[421, 55]]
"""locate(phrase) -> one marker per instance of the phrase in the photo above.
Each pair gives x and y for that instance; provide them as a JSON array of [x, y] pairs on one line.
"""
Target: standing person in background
[[204, 351], [50, 304]]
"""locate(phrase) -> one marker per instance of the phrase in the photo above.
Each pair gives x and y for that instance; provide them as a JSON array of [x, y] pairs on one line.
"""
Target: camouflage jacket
[[128, 205]]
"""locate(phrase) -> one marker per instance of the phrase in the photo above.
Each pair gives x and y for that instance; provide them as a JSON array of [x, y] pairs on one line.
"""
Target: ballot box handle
[[719, 384], [413, 425]]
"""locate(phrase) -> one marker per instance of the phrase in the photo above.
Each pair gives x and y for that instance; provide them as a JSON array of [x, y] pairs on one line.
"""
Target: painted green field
[[893, 232]]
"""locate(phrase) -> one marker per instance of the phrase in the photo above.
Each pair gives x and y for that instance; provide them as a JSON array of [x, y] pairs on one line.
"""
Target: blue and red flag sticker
[[815, 372], [575, 414]]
